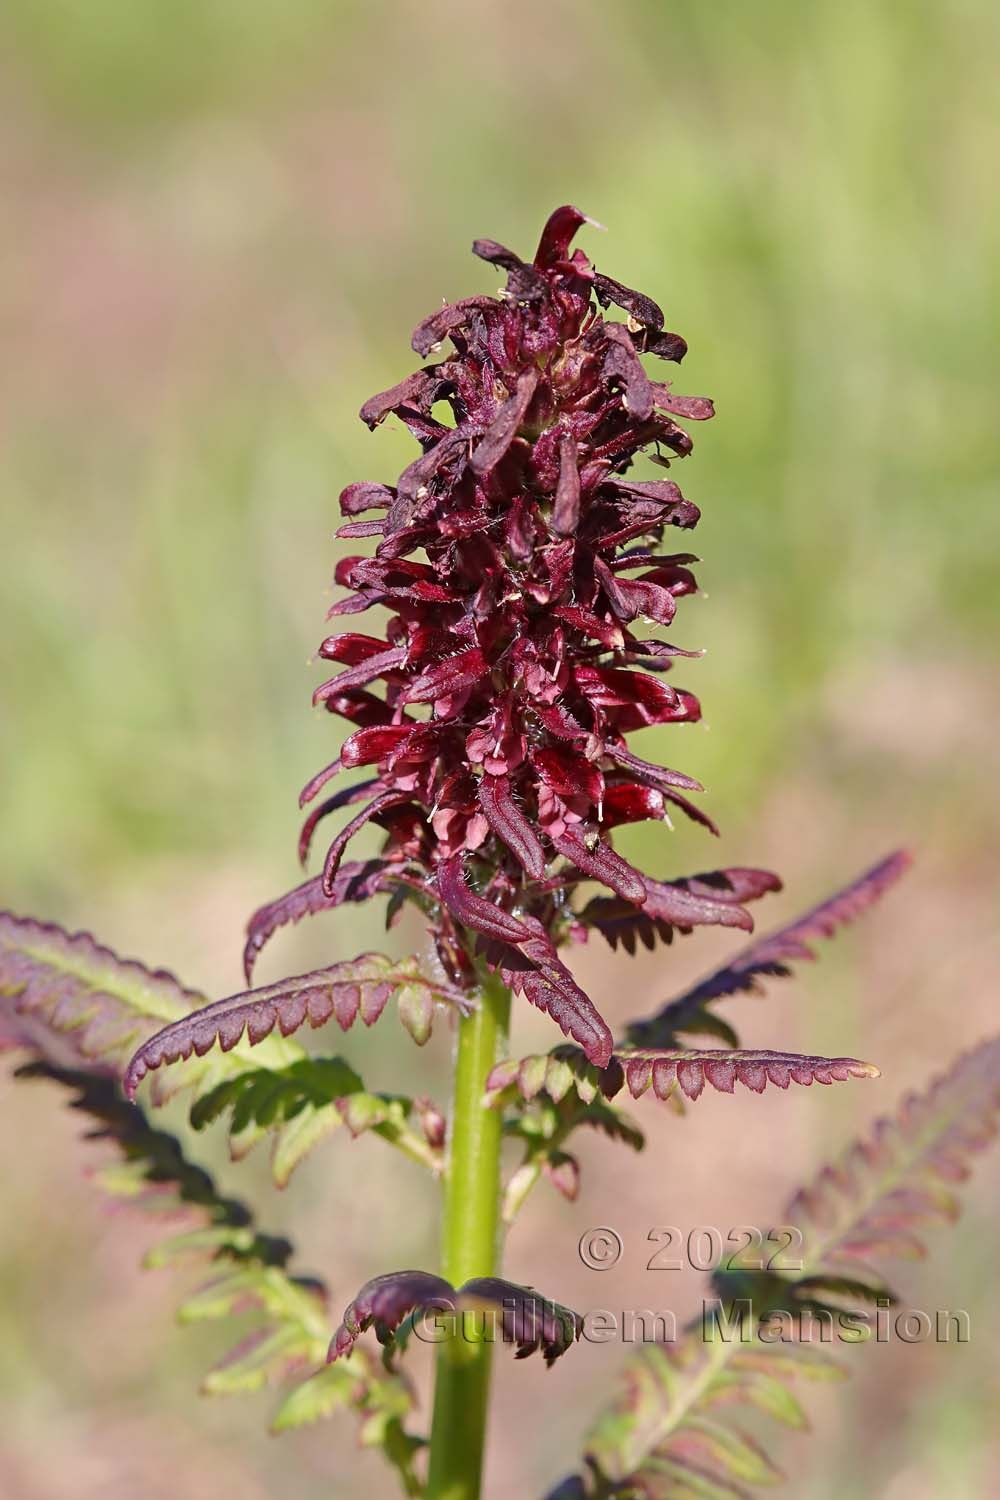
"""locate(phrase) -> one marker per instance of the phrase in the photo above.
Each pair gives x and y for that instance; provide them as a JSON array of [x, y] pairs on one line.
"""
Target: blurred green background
[[223, 217]]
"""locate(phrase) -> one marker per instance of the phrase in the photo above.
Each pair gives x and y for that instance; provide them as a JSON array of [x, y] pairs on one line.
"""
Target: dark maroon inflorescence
[[521, 569]]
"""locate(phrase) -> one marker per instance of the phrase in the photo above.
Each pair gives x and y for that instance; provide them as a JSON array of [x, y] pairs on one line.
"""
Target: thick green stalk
[[469, 1248]]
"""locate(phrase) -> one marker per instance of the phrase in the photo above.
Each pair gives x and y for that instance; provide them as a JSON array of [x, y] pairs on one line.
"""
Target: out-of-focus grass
[[224, 219]]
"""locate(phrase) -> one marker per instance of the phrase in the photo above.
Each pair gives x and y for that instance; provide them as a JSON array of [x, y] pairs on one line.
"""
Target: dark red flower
[[519, 567]]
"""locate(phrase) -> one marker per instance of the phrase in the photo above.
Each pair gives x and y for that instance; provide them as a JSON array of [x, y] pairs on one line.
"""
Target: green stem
[[469, 1248]]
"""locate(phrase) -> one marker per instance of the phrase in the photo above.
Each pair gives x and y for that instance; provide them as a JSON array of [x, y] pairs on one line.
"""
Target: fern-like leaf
[[152, 1173], [341, 992], [767, 957], [527, 1320], [666, 1072], [713, 899], [77, 1002], [355, 881], [544, 1129], [523, 952], [671, 1435], [882, 1190], [301, 1105]]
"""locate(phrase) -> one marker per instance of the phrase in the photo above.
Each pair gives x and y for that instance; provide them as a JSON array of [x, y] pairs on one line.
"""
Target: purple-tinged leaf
[[340, 992], [77, 1000], [771, 955], [385, 1302], [898, 1180], [527, 961], [154, 1176], [322, 809], [695, 900], [18, 1033], [356, 881], [510, 825], [648, 773], [316, 783], [527, 1321], [471, 909], [89, 1009], [601, 862], [362, 674], [686, 1070], [533, 968], [710, 900], [723, 1068], [335, 853]]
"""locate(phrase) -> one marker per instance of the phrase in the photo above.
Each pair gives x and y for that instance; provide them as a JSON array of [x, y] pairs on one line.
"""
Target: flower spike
[[519, 564]]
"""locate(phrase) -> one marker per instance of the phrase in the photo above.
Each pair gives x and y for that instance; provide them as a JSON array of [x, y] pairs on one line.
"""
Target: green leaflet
[[214, 1240], [381, 1400], [264, 1356], [302, 1134], [766, 1392], [299, 1106], [544, 1124], [331, 1387], [261, 1100]]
